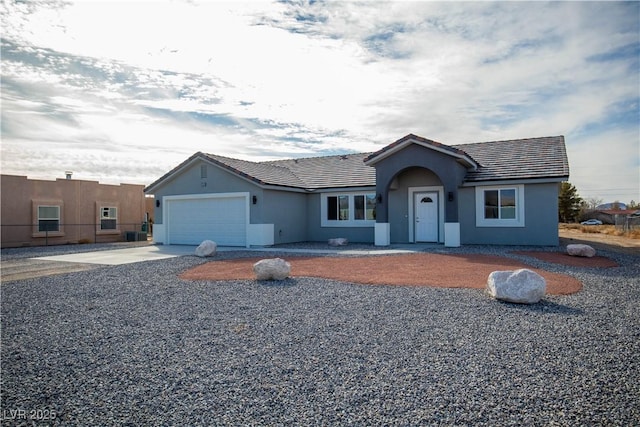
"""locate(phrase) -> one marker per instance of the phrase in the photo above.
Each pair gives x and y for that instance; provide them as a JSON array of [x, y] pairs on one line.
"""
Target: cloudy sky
[[122, 91]]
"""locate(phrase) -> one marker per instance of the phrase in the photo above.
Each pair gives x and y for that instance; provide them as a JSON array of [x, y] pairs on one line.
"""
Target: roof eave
[[521, 180]]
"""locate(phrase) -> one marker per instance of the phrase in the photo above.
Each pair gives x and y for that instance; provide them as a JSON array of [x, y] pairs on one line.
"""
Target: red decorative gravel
[[418, 269]]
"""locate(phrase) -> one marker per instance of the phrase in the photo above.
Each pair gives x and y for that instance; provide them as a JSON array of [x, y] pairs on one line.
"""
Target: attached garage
[[223, 218]]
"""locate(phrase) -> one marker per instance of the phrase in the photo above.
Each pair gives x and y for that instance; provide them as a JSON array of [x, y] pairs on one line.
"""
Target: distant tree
[[633, 205], [592, 202], [615, 206], [569, 203]]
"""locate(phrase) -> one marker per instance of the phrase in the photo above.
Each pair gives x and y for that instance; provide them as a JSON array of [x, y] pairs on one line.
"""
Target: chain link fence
[[627, 223], [43, 234]]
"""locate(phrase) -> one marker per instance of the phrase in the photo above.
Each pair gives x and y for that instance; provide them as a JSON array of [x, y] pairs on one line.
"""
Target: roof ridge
[[295, 159], [507, 140]]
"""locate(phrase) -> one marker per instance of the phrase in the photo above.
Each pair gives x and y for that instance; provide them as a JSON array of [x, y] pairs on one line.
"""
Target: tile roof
[[310, 173], [347, 170], [262, 173], [532, 158], [518, 159]]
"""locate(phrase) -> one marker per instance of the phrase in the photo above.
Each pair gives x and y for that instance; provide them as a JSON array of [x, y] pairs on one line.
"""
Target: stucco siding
[[287, 211], [541, 219], [79, 204]]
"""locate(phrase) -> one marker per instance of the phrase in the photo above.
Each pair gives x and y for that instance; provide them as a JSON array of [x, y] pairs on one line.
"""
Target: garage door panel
[[222, 220]]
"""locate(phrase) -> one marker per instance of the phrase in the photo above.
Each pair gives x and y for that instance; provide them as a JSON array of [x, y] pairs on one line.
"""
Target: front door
[[426, 217]]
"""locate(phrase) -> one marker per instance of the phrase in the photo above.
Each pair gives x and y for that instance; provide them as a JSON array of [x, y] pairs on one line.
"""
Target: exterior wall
[[450, 173], [317, 233], [287, 211], [398, 196], [80, 203], [541, 219]]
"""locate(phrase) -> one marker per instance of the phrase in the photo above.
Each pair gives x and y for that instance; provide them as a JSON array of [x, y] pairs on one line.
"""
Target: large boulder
[[207, 248], [581, 250], [520, 286], [272, 269], [340, 241]]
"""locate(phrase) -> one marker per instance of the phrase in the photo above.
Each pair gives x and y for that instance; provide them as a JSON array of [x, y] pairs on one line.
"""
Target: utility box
[[452, 234]]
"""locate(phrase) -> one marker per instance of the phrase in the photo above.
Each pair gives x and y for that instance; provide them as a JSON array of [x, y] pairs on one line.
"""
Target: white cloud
[[262, 80]]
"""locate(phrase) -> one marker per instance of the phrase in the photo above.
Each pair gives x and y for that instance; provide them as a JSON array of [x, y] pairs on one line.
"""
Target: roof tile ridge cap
[[283, 167], [296, 159], [215, 158], [511, 140], [288, 169]]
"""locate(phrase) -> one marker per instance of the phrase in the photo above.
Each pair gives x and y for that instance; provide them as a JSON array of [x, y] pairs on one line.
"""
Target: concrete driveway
[[124, 256], [26, 268]]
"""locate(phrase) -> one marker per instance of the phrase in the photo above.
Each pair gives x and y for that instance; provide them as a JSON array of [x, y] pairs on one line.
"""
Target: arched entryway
[[407, 171]]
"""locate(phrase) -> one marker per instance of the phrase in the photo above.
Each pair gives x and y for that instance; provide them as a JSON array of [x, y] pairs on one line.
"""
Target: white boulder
[[207, 248], [520, 286], [581, 250], [272, 269], [340, 241]]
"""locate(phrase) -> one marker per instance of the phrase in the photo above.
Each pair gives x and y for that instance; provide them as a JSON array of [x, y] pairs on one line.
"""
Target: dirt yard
[[601, 241]]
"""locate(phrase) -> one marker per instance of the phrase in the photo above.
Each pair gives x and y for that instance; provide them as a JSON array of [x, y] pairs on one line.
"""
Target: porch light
[[450, 196], [254, 199], [379, 198]]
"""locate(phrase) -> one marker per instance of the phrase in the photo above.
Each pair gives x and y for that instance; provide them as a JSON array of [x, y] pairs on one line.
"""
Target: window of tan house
[[109, 218], [107, 221], [48, 218]]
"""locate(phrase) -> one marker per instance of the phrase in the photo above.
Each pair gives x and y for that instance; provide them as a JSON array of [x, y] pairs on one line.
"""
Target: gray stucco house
[[413, 190]]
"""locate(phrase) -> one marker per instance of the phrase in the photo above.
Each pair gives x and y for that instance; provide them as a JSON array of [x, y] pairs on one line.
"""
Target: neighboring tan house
[[39, 212], [413, 190]]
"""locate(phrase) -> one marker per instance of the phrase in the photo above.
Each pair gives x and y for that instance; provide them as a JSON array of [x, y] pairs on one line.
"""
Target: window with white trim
[[348, 209], [48, 218], [108, 218], [500, 206]]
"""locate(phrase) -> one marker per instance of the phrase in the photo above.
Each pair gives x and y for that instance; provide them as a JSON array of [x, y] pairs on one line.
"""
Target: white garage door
[[221, 219]]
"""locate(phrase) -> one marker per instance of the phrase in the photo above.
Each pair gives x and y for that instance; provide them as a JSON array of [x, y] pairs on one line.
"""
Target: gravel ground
[[134, 345]]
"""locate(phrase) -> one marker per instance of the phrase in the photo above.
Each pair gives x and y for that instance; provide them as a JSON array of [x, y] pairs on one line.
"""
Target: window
[[352, 209], [48, 218], [108, 218], [500, 206], [203, 171], [365, 207], [338, 208]]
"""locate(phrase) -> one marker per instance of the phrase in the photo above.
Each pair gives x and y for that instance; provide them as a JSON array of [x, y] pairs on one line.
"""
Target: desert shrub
[[590, 229], [570, 226]]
